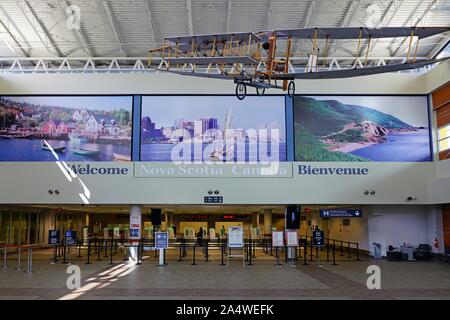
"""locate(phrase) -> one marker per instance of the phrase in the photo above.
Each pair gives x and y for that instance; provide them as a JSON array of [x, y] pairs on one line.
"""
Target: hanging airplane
[[251, 59]]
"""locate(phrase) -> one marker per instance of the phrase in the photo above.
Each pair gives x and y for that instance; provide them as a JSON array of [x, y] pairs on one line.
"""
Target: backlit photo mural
[[361, 128], [213, 129], [75, 128]]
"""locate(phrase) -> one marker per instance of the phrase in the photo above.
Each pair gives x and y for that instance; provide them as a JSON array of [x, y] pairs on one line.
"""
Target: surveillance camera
[[50, 191], [210, 192], [372, 192], [411, 198], [366, 192], [216, 192], [56, 191]]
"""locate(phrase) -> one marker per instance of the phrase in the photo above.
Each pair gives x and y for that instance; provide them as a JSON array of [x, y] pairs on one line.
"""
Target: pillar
[[135, 228], [267, 220], [255, 218]]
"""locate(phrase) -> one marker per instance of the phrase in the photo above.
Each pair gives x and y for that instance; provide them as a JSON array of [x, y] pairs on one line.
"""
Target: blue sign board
[[161, 240], [318, 238], [54, 237], [340, 213], [70, 238]]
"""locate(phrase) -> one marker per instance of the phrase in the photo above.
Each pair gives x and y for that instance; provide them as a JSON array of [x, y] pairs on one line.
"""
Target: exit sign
[[216, 199]]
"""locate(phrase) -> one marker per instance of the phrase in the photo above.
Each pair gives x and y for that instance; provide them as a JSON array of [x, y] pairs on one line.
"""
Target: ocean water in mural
[[355, 128]]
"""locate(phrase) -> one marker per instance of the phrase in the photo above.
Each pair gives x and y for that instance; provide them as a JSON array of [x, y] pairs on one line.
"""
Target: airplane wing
[[347, 73], [221, 37], [353, 33], [223, 76], [214, 60]]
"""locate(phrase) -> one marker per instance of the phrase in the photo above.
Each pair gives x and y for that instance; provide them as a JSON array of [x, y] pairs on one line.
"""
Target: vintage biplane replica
[[254, 59]]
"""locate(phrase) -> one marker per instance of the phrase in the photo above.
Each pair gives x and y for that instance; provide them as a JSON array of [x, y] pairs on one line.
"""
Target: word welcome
[[308, 170], [87, 169]]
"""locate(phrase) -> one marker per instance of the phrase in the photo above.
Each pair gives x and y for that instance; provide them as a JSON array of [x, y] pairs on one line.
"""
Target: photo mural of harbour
[[77, 128], [213, 128], [361, 128]]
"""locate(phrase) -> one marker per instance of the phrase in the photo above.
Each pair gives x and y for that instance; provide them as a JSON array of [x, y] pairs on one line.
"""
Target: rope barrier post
[[349, 253], [98, 250], [254, 249], [89, 251], [357, 251], [285, 252], [328, 250], [111, 253], [223, 251], [4, 258], [342, 248], [115, 246], [30, 260], [311, 250], [106, 248], [193, 257], [270, 244], [334, 255], [79, 249], [304, 253], [206, 250], [179, 259], [246, 250], [250, 254], [19, 267]]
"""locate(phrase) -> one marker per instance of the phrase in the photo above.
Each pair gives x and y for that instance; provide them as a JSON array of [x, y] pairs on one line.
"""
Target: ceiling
[[129, 28]]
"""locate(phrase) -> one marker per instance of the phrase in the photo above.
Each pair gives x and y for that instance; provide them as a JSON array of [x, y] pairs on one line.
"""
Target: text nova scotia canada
[[308, 170]]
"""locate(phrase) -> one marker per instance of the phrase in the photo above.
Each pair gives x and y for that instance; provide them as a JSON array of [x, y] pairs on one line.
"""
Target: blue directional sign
[[70, 238], [54, 237], [340, 213], [161, 240]]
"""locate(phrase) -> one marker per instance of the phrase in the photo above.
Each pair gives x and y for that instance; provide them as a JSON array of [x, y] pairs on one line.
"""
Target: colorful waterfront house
[[55, 126], [81, 115], [97, 123], [111, 130]]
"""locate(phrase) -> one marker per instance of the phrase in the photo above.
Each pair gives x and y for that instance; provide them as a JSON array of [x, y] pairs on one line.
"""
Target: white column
[[267, 220], [135, 228]]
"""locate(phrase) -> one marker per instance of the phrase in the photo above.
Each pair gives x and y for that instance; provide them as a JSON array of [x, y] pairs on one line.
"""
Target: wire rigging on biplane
[[252, 59]]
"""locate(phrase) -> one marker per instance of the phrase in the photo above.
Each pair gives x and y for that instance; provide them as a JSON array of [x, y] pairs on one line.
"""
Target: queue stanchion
[[193, 257], [270, 244], [79, 248], [349, 250], [115, 246], [181, 242], [19, 254], [105, 248], [254, 249], [89, 251], [342, 248], [30, 260], [311, 250], [246, 250], [5, 266], [334, 254], [207, 250], [250, 254], [317, 252], [138, 251], [357, 251], [98, 251], [223, 251], [305, 244], [111, 253], [328, 250], [164, 257]]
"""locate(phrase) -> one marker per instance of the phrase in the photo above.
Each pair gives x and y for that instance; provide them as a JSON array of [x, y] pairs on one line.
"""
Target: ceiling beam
[[148, 9], [189, 16], [346, 20], [79, 33], [409, 21], [229, 13], [7, 36], [269, 14], [113, 25], [39, 27], [438, 47], [312, 6]]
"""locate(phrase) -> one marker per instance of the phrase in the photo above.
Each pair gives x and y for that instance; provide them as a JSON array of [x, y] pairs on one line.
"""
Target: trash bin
[[376, 250]]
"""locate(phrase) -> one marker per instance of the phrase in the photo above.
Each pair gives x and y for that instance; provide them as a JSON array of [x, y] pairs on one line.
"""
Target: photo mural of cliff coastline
[[361, 128], [77, 128], [213, 129]]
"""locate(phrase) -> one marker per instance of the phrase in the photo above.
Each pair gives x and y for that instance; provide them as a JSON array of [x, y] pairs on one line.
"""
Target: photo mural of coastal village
[[206, 125], [77, 128], [361, 128]]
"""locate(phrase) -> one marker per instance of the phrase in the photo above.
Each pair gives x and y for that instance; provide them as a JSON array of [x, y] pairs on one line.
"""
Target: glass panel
[[444, 132], [34, 228], [444, 144], [4, 226]]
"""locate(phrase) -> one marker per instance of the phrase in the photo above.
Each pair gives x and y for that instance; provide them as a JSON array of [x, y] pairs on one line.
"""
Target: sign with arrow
[[340, 213], [161, 240]]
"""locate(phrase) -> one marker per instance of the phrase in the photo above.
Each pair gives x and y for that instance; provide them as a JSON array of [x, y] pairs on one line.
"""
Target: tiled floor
[[210, 280]]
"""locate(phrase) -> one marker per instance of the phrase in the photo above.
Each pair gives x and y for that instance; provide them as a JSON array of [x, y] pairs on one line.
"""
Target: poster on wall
[[213, 129], [362, 128], [75, 128]]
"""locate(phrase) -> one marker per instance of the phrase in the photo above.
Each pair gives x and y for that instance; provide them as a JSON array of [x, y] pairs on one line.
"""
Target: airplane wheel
[[241, 90], [260, 91], [291, 89]]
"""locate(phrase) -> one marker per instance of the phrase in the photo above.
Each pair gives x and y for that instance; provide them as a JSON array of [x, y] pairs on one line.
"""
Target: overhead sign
[[291, 238], [54, 237], [235, 237], [318, 238], [70, 238], [277, 239], [212, 199], [161, 240], [340, 213]]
